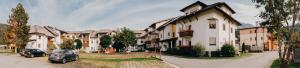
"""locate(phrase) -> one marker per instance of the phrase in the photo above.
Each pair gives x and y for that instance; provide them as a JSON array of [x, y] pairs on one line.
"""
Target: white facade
[[211, 38], [38, 41], [41, 36], [93, 45]]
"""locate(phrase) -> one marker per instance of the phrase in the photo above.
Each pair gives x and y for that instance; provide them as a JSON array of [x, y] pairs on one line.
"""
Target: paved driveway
[[16, 61], [256, 60]]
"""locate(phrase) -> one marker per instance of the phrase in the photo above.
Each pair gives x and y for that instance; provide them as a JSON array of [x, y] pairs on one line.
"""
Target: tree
[[105, 41], [67, 44], [280, 17], [17, 32], [78, 44], [125, 37]]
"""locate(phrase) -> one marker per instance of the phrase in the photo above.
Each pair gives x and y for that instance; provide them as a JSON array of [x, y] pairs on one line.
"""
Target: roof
[[105, 31], [198, 2], [251, 27], [35, 29], [153, 25], [208, 7], [226, 5], [245, 25], [170, 21]]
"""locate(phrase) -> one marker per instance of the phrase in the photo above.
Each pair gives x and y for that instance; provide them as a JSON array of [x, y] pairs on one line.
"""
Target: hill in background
[[3, 28]]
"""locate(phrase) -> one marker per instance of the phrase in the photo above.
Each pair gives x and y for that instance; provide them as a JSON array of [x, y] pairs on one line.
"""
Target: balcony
[[186, 33], [155, 40]]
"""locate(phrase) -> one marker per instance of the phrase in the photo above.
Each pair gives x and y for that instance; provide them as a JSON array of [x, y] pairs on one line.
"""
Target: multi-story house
[[139, 34], [43, 37], [152, 35], [209, 25], [258, 38], [91, 39]]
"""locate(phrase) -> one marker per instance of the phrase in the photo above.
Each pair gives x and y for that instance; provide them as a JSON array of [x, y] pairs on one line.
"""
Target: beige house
[[90, 38], [258, 38]]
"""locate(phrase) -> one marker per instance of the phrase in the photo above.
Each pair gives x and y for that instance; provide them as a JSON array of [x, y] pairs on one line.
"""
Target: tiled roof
[[212, 6], [40, 30]]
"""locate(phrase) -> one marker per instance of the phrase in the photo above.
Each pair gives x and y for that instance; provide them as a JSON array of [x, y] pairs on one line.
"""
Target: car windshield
[[57, 51], [32, 49]]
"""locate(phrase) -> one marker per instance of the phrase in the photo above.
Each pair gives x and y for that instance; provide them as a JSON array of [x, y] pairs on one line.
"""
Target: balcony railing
[[185, 33]]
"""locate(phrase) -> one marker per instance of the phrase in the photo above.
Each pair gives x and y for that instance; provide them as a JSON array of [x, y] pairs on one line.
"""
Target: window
[[250, 39], [250, 31], [231, 30], [224, 27], [39, 37], [173, 34], [168, 33], [255, 38], [39, 45], [212, 24], [190, 43], [180, 43], [261, 38], [212, 40], [190, 27], [142, 41]]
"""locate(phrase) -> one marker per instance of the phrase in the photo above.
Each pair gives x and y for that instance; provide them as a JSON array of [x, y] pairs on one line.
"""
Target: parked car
[[63, 55], [22, 53], [34, 53]]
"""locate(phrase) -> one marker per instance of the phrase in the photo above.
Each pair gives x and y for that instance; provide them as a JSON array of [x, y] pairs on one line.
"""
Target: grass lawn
[[242, 55], [276, 64], [118, 60]]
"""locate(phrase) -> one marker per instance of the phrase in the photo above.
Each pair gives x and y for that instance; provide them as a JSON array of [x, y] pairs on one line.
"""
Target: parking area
[[256, 60]]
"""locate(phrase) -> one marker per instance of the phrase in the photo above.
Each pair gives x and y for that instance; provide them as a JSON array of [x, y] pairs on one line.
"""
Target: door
[[173, 43]]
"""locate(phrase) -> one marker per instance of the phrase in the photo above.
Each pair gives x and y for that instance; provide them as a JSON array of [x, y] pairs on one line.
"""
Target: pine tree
[[17, 33]]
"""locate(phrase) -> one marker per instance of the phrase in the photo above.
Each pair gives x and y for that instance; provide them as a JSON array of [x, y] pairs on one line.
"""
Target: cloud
[[246, 13], [73, 15]]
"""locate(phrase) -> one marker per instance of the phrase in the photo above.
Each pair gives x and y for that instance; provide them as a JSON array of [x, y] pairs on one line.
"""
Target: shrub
[[195, 51], [198, 50], [172, 51], [227, 50], [185, 51]]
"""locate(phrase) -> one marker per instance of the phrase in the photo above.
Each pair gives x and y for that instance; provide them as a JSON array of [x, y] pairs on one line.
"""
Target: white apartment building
[[209, 25], [42, 37]]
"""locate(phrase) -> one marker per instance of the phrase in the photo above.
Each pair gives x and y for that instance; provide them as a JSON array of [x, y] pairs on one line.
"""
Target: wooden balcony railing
[[185, 33]]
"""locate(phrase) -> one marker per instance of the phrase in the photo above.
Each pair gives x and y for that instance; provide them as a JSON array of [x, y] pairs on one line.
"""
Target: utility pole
[[256, 33]]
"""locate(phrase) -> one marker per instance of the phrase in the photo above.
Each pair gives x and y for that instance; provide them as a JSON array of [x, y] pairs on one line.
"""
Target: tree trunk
[[284, 64]]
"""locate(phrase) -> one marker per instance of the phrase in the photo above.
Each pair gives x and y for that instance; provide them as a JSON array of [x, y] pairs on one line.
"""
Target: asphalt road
[[16, 61], [256, 60]]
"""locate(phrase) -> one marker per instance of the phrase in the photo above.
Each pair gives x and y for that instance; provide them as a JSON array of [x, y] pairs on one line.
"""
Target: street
[[16, 61], [256, 60]]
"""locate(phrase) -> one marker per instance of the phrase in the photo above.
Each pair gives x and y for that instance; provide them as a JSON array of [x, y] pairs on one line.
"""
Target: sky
[[78, 15]]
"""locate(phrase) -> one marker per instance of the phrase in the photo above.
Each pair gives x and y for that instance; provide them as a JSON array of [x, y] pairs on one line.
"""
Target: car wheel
[[44, 55], [50, 61], [64, 61], [31, 56]]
